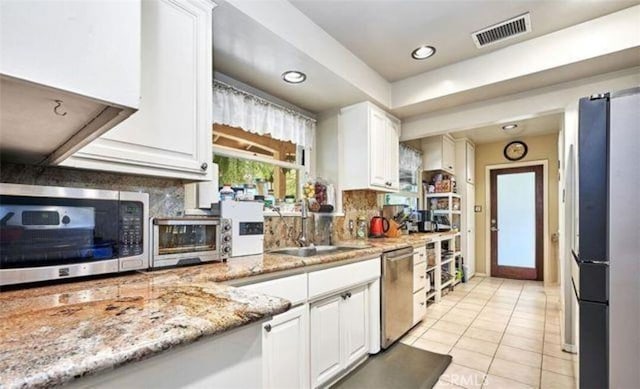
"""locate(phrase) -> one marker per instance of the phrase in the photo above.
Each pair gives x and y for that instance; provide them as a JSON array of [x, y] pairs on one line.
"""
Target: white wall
[[537, 102]]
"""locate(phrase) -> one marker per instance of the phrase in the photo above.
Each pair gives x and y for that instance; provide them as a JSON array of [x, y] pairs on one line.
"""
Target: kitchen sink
[[315, 250]]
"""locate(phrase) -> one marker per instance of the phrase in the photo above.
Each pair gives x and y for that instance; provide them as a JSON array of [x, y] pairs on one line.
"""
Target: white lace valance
[[410, 158], [236, 108]]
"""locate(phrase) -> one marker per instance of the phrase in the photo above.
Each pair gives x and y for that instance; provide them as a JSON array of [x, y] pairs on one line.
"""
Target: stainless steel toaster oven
[[48, 233], [190, 240]]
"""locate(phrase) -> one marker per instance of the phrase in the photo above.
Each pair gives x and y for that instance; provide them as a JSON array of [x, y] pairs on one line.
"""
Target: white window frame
[[303, 169]]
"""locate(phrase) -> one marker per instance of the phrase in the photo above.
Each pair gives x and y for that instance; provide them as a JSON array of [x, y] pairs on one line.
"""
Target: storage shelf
[[447, 261], [446, 284], [457, 282], [430, 269], [431, 294], [443, 194], [445, 211], [457, 253]]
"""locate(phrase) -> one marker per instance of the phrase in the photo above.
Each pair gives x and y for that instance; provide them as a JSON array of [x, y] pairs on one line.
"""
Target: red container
[[378, 226]]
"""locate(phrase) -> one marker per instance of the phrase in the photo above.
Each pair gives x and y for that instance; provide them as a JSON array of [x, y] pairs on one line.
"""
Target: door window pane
[[516, 220]]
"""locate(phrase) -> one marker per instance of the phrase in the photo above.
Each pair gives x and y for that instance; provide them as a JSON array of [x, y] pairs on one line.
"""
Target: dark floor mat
[[400, 366]]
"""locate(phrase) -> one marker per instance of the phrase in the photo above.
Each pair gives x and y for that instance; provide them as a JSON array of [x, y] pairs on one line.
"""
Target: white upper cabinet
[[439, 153], [69, 72], [369, 144], [91, 48], [170, 135], [465, 154]]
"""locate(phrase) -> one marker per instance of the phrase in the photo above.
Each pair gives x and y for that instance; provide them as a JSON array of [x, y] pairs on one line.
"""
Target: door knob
[[494, 229], [267, 328]]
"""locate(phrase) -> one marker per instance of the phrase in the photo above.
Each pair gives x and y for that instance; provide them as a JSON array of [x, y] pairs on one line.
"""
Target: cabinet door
[[88, 47], [392, 151], [419, 306], [171, 133], [284, 343], [448, 154], [377, 148], [470, 161], [419, 275], [355, 323], [326, 339]]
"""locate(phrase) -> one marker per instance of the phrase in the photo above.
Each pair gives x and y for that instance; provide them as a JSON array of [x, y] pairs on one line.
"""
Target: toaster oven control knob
[[66, 219], [226, 250], [226, 238], [227, 227]]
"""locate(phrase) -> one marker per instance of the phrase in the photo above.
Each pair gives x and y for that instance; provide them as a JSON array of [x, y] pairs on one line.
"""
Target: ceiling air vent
[[502, 31]]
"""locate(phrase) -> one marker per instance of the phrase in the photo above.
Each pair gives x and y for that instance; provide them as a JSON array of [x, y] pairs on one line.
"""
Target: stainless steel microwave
[[190, 240], [49, 233]]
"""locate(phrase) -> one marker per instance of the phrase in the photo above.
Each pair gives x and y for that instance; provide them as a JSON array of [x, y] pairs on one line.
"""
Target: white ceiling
[[549, 124], [248, 52], [383, 33]]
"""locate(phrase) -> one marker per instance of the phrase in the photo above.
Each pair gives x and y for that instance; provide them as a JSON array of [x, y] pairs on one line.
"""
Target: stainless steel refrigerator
[[606, 267]]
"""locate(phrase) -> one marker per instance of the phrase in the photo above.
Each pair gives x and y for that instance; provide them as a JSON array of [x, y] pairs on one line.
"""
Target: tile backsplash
[[166, 196]]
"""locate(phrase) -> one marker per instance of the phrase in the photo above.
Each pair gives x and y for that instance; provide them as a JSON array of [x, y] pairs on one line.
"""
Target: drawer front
[[323, 282], [419, 276], [419, 255], [293, 288], [419, 306]]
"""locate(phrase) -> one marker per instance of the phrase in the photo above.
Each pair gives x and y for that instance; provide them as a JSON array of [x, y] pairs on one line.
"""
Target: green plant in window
[[234, 171]]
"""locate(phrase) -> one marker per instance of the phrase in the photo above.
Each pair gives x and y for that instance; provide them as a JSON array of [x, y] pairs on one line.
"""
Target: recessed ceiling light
[[509, 127], [423, 52], [294, 76]]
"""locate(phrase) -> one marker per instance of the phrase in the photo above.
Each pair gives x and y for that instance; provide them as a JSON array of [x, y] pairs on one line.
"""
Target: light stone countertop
[[53, 334]]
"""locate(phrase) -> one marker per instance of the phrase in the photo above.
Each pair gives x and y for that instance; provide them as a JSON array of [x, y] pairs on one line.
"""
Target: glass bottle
[[226, 193], [361, 228]]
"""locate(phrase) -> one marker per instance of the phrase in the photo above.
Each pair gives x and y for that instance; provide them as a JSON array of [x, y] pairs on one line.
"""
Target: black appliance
[[48, 233], [605, 268], [431, 222]]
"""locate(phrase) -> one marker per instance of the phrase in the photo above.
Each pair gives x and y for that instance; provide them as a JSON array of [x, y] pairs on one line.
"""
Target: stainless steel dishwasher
[[397, 295]]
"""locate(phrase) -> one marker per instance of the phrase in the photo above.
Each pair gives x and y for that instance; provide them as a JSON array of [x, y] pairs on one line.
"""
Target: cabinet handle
[[267, 328], [344, 296], [422, 277], [204, 166], [422, 303]]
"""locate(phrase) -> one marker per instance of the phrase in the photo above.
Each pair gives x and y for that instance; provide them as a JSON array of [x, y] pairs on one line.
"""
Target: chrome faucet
[[303, 240]]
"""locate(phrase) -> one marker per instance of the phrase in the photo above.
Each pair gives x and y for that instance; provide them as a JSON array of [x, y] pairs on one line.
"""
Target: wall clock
[[515, 151]]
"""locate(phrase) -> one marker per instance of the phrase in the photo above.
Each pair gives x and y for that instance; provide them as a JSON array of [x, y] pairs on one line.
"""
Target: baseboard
[[479, 274], [571, 348]]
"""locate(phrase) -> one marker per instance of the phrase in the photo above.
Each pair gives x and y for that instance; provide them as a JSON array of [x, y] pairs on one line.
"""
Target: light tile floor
[[501, 333]]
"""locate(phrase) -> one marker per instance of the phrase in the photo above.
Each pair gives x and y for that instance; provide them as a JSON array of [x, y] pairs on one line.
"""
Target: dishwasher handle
[[399, 258], [398, 253]]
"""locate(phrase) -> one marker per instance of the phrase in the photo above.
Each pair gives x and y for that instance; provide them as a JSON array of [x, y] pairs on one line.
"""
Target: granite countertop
[[52, 334]]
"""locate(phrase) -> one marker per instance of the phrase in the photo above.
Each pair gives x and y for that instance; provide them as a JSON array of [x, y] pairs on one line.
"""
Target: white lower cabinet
[[326, 339], [339, 333], [332, 327], [355, 314], [419, 306], [284, 348]]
